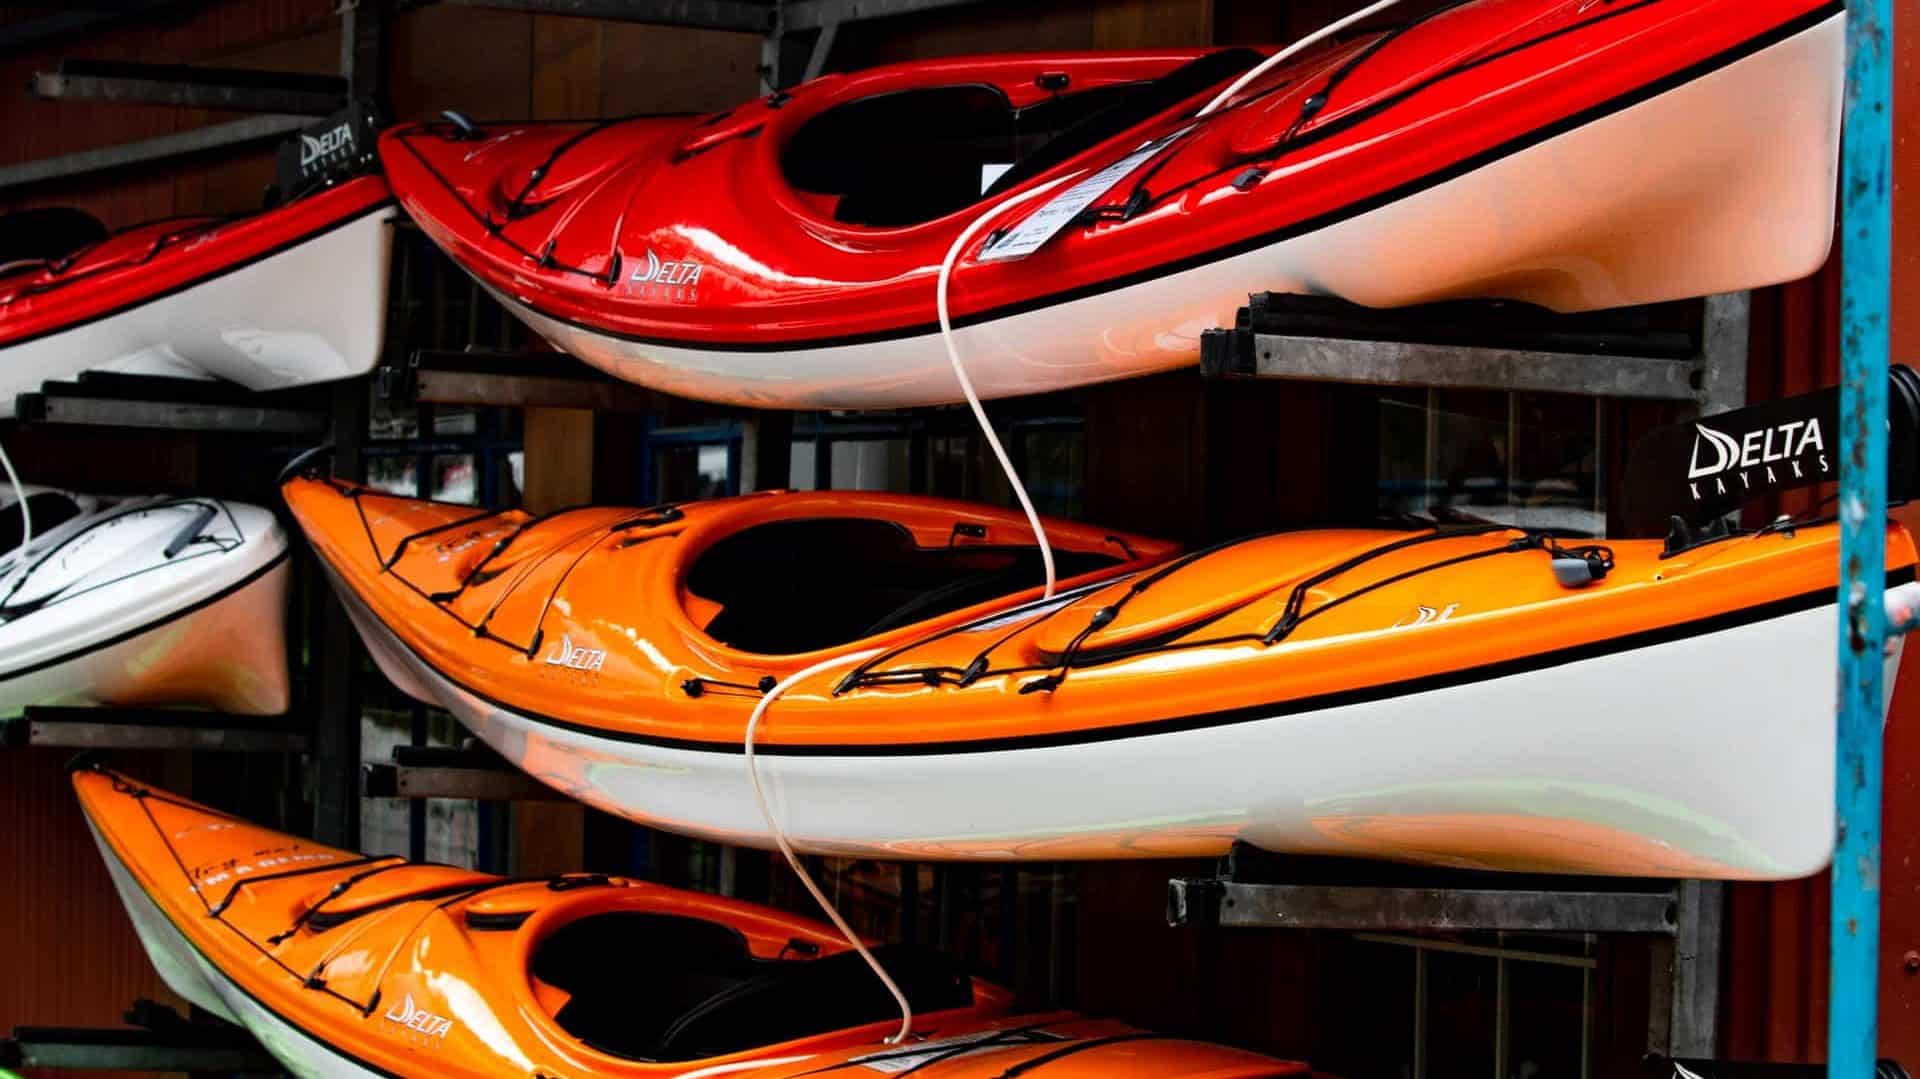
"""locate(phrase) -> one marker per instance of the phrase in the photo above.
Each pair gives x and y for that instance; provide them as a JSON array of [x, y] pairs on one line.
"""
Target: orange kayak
[[351, 966], [1470, 696]]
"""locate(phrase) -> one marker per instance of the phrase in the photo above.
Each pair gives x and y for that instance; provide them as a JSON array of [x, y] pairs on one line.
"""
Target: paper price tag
[[1058, 212]]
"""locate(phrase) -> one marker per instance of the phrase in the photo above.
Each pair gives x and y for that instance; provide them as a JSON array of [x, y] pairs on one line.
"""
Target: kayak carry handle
[[187, 534]]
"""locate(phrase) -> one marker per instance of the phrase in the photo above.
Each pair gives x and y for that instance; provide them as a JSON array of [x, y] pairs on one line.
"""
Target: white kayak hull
[[312, 312], [1711, 186], [1707, 756], [204, 628]]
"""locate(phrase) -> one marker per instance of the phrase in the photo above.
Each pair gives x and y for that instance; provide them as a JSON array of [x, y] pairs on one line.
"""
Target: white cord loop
[[19, 499], [967, 234], [1290, 52], [966, 384], [780, 835]]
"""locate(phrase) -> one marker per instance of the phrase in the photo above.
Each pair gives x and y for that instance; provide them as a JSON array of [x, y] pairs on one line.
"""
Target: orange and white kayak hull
[[349, 967], [1712, 758], [1673, 719]]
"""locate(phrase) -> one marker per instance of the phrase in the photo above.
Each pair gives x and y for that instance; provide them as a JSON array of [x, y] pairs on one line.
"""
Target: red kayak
[[284, 297], [1568, 153]]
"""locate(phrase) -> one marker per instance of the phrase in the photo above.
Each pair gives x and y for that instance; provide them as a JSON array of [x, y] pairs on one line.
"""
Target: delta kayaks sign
[[335, 148], [1702, 469]]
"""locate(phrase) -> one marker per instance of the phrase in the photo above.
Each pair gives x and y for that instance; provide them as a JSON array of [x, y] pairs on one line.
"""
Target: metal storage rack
[[1865, 272], [798, 36]]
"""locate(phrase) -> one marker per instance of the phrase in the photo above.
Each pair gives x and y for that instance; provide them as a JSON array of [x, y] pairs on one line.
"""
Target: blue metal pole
[[1866, 227]]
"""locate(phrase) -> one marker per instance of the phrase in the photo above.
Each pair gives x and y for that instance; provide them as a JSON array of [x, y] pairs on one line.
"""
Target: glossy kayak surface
[[1445, 695], [349, 966], [1558, 152]]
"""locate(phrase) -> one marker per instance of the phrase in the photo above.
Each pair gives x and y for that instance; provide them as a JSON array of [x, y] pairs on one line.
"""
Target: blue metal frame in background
[[1866, 251]]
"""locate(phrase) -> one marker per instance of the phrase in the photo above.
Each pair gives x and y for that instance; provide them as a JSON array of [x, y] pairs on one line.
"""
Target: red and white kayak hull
[[1713, 182], [312, 311]]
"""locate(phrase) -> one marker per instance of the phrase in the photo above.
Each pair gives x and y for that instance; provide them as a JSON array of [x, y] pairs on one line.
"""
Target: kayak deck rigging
[[1293, 614]]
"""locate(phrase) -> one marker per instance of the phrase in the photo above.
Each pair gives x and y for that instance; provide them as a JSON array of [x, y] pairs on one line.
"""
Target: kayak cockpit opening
[[36, 236], [797, 586], [910, 156], [666, 987], [914, 155]]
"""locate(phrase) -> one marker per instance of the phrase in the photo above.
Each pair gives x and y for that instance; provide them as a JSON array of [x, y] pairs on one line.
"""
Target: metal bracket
[[153, 728], [160, 148], [438, 772], [234, 89], [510, 380], [99, 398], [160, 1042], [1256, 889], [741, 15], [1314, 339]]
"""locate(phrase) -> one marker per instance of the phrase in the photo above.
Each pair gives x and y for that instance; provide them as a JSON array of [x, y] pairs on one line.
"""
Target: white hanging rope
[[1291, 51], [780, 834], [944, 283], [20, 499], [941, 288], [966, 384]]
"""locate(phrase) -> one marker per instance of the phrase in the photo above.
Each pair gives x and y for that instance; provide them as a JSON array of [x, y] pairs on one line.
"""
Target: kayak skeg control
[[1465, 695], [347, 966], [146, 601], [285, 297], [783, 254]]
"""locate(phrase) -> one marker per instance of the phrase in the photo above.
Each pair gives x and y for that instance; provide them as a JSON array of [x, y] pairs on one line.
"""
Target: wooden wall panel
[[994, 27], [69, 953], [1147, 456], [1133, 24], [474, 60], [566, 68], [227, 31], [667, 69]]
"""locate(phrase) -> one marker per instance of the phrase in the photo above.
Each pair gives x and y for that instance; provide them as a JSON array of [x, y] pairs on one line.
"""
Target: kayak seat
[[796, 586], [797, 1000], [630, 975]]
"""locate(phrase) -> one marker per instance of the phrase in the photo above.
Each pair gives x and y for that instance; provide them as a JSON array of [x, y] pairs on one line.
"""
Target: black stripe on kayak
[[184, 939], [1745, 616], [149, 626], [1758, 43], [232, 267]]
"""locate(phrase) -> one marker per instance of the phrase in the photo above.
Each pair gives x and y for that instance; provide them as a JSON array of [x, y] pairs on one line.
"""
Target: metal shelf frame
[[182, 86], [1255, 889], [434, 772], [799, 37], [152, 728], [156, 1039], [284, 101], [1866, 216], [1713, 378], [109, 399]]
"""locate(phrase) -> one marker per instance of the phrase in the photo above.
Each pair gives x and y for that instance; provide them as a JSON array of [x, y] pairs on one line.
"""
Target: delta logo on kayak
[[575, 658], [1762, 458], [329, 144], [419, 1020], [674, 282]]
